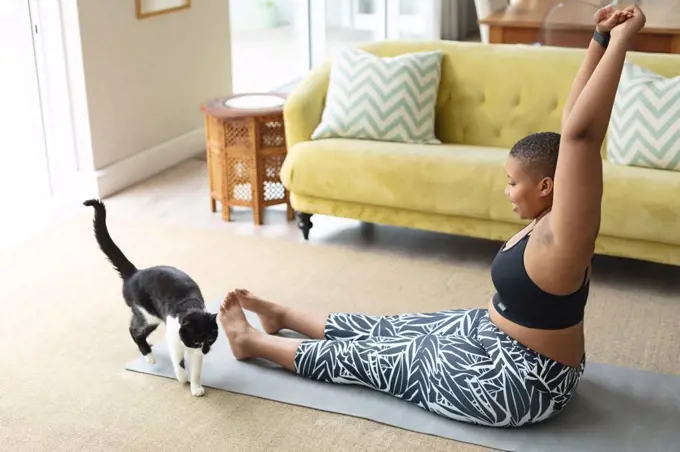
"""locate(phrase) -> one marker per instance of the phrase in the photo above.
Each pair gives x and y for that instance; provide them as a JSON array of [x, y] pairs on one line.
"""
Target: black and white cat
[[162, 294]]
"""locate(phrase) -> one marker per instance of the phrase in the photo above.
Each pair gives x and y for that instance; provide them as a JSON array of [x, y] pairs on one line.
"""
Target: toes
[[228, 300], [243, 293], [232, 300]]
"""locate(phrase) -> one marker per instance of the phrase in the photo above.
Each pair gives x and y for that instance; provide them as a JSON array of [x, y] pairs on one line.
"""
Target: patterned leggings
[[454, 363]]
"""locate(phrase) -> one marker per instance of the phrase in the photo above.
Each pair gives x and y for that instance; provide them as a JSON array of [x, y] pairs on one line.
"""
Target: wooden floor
[[180, 196]]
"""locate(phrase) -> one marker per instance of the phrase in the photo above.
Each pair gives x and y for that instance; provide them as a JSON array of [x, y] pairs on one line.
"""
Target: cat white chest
[[177, 350]]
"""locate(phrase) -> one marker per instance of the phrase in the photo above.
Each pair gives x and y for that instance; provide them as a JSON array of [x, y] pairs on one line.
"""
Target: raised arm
[[605, 19], [575, 216]]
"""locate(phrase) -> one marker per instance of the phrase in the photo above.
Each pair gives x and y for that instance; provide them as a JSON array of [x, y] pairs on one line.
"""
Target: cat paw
[[197, 391], [150, 359]]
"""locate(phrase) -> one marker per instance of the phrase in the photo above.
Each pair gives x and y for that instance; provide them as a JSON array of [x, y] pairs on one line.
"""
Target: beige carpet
[[64, 338]]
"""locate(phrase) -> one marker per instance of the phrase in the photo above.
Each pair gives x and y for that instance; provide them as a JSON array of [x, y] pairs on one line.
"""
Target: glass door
[[275, 43], [269, 43], [339, 23], [366, 13], [414, 19]]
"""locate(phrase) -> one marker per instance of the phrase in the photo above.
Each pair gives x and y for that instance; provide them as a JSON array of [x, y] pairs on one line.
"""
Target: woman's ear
[[546, 186]]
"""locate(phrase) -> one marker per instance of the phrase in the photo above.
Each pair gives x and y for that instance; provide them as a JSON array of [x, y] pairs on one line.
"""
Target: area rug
[[65, 338]]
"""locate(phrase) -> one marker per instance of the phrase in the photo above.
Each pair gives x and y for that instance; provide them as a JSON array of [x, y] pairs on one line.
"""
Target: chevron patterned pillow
[[382, 98], [644, 129]]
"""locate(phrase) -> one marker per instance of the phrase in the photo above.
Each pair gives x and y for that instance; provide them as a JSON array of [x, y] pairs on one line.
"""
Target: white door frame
[[316, 43], [56, 37], [30, 149]]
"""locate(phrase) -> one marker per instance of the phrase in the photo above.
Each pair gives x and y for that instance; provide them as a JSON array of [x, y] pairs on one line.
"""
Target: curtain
[[459, 19]]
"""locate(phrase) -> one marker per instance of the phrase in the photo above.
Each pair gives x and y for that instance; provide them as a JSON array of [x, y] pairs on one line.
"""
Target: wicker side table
[[246, 146]]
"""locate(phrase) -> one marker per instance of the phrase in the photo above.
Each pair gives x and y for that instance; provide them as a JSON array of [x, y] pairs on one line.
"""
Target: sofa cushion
[[376, 98], [443, 179], [644, 129], [641, 203]]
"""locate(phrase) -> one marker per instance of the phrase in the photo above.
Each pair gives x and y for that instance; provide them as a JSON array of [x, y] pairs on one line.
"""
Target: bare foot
[[270, 314], [235, 324]]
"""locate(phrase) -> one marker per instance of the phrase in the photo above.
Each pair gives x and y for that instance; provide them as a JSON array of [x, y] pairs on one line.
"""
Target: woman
[[519, 361]]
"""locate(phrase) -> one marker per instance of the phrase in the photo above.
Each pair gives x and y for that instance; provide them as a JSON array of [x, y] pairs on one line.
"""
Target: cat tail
[[123, 266]]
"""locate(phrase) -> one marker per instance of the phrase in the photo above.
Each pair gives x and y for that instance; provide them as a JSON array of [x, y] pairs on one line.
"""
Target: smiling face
[[530, 195]]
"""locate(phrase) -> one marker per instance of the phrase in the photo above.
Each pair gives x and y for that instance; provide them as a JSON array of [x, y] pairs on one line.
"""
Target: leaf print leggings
[[454, 363]]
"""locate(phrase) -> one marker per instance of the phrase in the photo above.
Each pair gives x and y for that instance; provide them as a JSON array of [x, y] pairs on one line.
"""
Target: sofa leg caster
[[304, 223], [367, 230]]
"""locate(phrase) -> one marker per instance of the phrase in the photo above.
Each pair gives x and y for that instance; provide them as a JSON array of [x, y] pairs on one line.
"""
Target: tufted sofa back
[[493, 95]]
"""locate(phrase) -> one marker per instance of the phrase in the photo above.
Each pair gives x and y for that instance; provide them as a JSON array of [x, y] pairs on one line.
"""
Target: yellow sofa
[[490, 96]]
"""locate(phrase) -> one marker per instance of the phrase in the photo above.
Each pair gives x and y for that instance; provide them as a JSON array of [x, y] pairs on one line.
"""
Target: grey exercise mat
[[615, 409]]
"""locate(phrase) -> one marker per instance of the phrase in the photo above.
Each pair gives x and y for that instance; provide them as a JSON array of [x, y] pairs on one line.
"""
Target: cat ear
[[213, 317], [186, 321]]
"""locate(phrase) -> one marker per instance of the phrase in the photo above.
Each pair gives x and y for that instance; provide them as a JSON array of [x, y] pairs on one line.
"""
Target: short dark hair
[[539, 152]]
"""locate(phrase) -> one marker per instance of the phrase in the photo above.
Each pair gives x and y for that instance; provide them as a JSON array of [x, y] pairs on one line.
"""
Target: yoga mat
[[615, 408]]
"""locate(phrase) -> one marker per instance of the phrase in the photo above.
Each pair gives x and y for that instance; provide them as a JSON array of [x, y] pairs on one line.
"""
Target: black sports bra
[[521, 301]]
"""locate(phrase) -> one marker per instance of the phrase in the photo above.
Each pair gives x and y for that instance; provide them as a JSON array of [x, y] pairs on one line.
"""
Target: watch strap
[[602, 38]]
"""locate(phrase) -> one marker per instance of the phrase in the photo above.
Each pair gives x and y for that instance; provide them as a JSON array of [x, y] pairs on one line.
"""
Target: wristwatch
[[602, 38]]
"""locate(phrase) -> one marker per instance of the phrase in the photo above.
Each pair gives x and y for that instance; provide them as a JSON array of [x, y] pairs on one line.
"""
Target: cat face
[[199, 330]]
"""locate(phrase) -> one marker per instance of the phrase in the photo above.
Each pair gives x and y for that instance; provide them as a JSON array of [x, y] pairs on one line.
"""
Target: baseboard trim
[[148, 163]]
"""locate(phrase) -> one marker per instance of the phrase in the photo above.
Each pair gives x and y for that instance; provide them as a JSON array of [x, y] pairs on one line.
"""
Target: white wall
[[144, 83]]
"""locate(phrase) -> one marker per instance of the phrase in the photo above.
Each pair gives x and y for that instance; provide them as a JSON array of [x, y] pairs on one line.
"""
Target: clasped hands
[[620, 23]]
